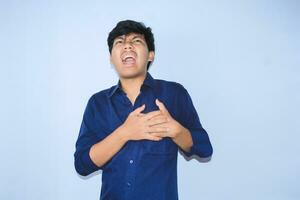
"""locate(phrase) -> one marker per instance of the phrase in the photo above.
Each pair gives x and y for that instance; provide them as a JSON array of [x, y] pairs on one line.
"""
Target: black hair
[[129, 26]]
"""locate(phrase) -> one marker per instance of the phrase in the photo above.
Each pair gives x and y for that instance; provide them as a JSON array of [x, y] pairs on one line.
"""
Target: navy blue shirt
[[141, 169]]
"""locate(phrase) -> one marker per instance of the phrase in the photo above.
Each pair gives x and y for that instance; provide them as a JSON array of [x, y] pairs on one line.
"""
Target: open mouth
[[128, 58]]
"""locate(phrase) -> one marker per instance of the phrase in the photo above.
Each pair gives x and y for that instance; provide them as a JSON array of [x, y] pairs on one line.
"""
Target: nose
[[128, 45]]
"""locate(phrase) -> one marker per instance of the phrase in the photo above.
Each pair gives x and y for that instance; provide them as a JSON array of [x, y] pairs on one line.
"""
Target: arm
[[189, 119], [90, 133], [187, 132], [134, 128], [184, 139], [94, 148], [93, 157], [173, 129], [104, 150]]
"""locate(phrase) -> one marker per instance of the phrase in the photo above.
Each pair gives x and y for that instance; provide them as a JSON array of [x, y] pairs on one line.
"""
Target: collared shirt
[[141, 169]]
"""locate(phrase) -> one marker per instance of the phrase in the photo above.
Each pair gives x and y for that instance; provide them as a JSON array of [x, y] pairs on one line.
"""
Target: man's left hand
[[170, 128]]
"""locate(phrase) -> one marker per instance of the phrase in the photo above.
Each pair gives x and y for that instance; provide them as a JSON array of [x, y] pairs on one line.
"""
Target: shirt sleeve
[[90, 133], [190, 120]]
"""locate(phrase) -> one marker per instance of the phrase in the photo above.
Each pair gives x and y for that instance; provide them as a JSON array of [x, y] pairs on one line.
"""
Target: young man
[[133, 130]]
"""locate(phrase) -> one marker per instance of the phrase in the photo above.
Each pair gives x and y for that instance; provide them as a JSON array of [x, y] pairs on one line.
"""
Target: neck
[[132, 86]]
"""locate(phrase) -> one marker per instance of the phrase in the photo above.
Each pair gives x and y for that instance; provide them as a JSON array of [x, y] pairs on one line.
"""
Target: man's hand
[[169, 129], [156, 125], [138, 125], [173, 129]]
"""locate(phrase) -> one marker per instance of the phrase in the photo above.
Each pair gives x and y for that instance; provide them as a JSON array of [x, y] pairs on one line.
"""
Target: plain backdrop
[[239, 60]]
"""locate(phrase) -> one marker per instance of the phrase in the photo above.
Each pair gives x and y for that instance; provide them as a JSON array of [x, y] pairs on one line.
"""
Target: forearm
[[184, 140], [101, 152]]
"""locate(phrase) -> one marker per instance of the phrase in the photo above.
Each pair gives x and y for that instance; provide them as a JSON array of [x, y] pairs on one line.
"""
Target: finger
[[157, 120], [159, 134], [141, 114], [152, 137], [161, 106], [149, 115], [139, 110], [159, 129]]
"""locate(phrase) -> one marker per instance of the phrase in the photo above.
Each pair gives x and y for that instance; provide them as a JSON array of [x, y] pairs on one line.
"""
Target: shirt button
[[128, 184], [131, 161]]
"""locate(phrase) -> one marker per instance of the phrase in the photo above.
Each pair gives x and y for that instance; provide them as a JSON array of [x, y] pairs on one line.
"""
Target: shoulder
[[171, 86], [102, 94], [100, 98]]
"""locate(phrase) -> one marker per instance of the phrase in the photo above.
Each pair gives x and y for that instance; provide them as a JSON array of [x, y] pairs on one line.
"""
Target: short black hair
[[129, 26]]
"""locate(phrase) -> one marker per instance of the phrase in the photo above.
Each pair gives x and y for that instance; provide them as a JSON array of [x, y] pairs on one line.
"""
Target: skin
[[154, 125], [131, 76]]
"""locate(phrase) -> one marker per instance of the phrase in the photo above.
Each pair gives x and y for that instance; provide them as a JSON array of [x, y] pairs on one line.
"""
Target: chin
[[131, 74]]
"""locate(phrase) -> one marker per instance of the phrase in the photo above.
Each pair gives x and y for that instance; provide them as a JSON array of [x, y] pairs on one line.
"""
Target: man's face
[[130, 55]]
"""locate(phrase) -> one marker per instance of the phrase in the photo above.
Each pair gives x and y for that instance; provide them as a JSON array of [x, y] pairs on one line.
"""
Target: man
[[133, 130]]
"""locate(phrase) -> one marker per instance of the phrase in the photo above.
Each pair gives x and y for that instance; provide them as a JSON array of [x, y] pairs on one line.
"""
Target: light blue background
[[239, 60]]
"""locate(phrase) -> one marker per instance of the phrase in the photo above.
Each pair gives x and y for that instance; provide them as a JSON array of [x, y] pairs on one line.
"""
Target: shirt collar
[[149, 81]]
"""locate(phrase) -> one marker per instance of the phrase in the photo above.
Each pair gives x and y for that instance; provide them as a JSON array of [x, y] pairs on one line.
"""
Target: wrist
[[122, 134], [184, 139], [182, 131]]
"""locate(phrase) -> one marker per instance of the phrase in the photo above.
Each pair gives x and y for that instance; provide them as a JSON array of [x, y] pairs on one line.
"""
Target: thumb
[[160, 105], [139, 109]]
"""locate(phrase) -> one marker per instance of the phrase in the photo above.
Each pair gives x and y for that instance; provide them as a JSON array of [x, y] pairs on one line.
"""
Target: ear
[[151, 56]]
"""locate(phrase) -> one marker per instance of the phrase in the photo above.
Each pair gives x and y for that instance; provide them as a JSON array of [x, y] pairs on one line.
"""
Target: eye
[[137, 41], [118, 42]]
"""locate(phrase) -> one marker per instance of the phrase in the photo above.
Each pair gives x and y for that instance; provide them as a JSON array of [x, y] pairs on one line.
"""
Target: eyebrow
[[122, 37], [119, 37], [137, 36]]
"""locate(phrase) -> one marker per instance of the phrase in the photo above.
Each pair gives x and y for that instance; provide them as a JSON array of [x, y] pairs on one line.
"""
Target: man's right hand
[[138, 127]]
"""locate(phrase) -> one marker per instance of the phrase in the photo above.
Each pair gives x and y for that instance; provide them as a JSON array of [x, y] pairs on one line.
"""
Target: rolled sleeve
[[201, 144], [190, 120], [89, 134], [83, 163]]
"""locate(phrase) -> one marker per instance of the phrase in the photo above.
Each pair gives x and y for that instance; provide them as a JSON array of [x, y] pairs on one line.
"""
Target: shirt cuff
[[201, 144], [88, 164]]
